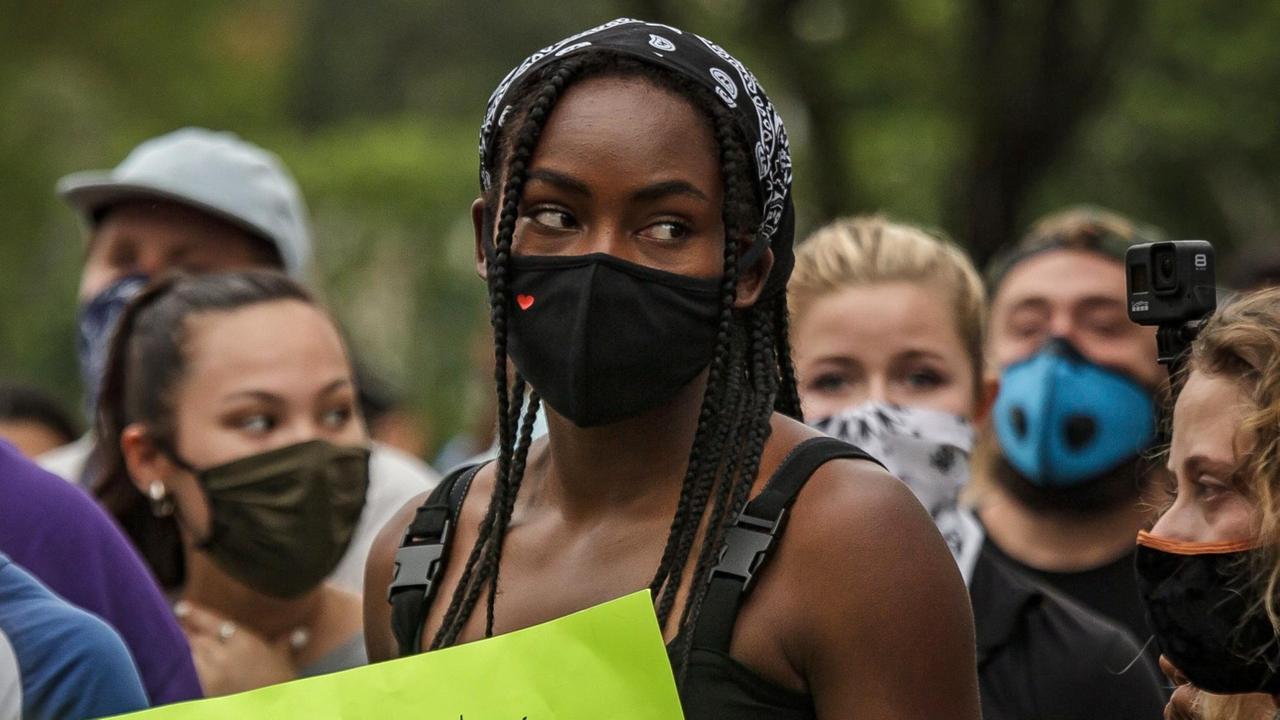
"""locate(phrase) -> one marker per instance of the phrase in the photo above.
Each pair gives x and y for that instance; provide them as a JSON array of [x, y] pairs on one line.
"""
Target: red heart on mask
[[524, 301]]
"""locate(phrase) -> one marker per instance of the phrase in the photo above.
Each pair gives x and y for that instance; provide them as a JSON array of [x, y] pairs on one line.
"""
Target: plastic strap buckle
[[417, 565], [747, 542]]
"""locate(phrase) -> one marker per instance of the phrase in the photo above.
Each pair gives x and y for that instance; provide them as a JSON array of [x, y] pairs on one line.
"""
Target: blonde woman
[[887, 329], [1210, 568]]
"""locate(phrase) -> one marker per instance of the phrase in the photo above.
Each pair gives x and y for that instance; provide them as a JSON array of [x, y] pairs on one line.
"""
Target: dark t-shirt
[[1110, 590], [1044, 656], [56, 532]]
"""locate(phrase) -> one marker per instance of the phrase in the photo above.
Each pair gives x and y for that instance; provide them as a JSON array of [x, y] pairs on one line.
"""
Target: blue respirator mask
[[1062, 420]]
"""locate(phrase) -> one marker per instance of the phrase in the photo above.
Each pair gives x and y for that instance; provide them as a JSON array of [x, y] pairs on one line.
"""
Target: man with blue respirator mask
[[1060, 474]]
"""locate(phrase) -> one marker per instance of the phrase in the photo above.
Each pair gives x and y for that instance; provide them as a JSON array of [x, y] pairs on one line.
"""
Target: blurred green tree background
[[973, 116]]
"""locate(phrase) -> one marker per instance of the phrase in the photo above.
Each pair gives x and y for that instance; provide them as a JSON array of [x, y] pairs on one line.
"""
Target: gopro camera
[[1171, 285]]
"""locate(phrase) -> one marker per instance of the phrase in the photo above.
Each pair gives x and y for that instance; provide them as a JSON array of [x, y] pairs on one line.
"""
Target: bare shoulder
[[378, 569], [854, 522], [893, 633], [857, 511]]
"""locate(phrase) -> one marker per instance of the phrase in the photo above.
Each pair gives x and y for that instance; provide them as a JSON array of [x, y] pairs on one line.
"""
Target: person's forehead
[[164, 221], [601, 121], [1062, 277], [160, 211], [881, 319], [178, 236], [1207, 414], [284, 341]]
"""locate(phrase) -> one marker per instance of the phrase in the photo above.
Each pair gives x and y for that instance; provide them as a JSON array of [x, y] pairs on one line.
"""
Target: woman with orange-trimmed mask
[[1210, 567]]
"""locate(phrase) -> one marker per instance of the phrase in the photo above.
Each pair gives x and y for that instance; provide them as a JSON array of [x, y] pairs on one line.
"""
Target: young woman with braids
[[635, 232]]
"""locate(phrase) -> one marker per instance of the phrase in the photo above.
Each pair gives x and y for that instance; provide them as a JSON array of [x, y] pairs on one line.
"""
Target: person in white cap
[[200, 201]]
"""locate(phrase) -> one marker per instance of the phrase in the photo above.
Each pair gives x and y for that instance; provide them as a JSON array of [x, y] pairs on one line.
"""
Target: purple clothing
[[61, 536]]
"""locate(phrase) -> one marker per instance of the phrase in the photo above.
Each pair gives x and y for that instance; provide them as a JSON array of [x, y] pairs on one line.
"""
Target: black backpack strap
[[422, 556], [750, 539]]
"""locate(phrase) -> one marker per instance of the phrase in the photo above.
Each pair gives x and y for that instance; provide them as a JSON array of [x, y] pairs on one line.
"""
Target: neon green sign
[[603, 662]]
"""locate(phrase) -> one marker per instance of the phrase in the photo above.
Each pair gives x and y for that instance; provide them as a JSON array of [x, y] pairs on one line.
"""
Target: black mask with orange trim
[[1202, 605]]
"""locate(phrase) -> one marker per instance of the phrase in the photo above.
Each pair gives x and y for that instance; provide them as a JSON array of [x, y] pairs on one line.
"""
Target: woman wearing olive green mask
[[238, 464]]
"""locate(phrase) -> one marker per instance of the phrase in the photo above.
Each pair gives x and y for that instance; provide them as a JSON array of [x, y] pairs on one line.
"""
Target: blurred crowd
[[210, 522]]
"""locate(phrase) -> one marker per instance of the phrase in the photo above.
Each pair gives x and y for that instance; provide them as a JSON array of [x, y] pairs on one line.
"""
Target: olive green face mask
[[281, 520]]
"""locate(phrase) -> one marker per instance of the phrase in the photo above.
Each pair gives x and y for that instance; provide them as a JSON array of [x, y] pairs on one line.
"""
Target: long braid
[[462, 602], [788, 391], [508, 507], [709, 421], [670, 568], [503, 495], [475, 572], [736, 197], [516, 404], [480, 564], [705, 462], [729, 466], [759, 403], [708, 491], [712, 422]]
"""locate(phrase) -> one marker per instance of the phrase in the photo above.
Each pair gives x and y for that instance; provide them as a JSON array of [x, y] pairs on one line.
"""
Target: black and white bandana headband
[[705, 62]]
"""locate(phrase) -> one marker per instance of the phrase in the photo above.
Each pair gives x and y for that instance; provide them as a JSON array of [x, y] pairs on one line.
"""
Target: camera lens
[[1165, 267]]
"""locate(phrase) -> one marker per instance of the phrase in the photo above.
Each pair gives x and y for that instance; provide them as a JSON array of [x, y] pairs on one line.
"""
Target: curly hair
[[1241, 342]]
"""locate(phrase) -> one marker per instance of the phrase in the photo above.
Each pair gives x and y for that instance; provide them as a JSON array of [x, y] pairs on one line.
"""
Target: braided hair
[[750, 375]]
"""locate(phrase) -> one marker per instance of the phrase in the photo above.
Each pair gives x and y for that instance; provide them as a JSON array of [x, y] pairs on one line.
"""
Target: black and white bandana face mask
[[706, 63], [929, 451]]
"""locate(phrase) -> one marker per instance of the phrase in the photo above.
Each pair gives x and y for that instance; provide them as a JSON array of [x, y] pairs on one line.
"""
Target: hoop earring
[[161, 503]]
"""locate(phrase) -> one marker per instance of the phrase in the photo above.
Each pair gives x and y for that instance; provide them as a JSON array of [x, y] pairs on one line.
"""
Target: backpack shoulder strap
[[422, 555], [750, 539]]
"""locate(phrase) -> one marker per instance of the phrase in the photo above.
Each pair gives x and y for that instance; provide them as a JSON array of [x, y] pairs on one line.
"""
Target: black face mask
[[602, 339], [1115, 488], [1200, 602]]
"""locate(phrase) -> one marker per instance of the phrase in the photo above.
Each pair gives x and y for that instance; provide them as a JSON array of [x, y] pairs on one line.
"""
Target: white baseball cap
[[215, 172]]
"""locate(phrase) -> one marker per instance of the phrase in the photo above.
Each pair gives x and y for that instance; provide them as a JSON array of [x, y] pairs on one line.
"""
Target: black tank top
[[716, 685]]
